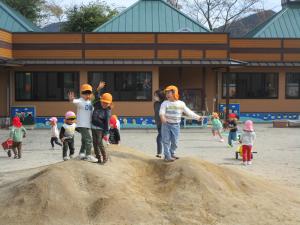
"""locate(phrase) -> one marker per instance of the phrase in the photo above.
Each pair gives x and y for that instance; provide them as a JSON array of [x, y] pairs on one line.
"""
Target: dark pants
[[159, 141], [54, 140], [86, 140], [98, 145], [17, 149], [68, 144]]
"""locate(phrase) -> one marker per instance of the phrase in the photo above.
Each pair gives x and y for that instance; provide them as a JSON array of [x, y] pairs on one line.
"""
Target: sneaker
[[15, 157], [230, 146], [249, 162], [222, 140], [72, 156], [158, 156], [92, 159], [175, 157], [82, 156], [245, 163], [169, 160], [66, 158]]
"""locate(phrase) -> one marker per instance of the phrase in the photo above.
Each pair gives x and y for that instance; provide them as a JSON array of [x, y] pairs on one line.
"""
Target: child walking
[[159, 97], [217, 126], [100, 122], [17, 133], [114, 134], [170, 113], [66, 135], [84, 117], [247, 139], [54, 132], [232, 126]]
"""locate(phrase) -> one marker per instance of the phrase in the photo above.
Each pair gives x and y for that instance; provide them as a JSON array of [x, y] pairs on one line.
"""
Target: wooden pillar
[[227, 75]]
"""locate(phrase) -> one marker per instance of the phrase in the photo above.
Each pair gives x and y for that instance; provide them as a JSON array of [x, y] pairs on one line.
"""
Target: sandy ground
[[136, 189], [278, 157]]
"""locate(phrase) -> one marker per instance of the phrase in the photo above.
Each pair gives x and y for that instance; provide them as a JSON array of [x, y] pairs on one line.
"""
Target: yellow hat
[[173, 88], [106, 98], [86, 87]]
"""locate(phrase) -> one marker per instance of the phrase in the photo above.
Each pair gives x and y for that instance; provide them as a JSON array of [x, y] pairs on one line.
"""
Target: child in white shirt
[[54, 132]]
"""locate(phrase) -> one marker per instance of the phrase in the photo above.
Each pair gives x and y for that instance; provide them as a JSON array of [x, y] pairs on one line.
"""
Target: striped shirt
[[173, 111]]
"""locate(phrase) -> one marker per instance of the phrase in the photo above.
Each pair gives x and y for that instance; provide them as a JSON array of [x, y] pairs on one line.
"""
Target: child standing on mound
[[170, 113], [100, 122], [114, 134], [54, 132], [217, 126], [17, 133], [66, 135], [232, 126], [159, 97], [84, 117], [247, 139]]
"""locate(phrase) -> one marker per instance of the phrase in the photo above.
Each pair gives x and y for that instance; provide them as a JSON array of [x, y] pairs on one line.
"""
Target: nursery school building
[[146, 47]]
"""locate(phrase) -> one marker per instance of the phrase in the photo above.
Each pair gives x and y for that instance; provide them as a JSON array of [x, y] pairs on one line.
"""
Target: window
[[292, 89], [251, 85], [45, 86], [125, 86]]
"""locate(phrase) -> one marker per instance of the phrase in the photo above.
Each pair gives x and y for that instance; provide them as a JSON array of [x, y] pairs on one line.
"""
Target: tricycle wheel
[[251, 155], [9, 153], [237, 155]]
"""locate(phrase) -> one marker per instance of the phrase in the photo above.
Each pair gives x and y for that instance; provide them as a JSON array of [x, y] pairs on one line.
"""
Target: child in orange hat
[[171, 112], [84, 116], [100, 122]]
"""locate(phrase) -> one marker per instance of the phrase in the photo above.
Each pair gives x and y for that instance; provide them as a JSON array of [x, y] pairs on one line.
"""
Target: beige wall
[[4, 84], [191, 78], [270, 105], [120, 108]]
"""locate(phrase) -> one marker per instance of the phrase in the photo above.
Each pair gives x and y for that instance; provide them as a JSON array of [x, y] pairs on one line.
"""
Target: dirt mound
[[133, 189]]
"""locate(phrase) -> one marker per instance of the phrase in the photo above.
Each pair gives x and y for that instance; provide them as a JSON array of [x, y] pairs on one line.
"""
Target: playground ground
[[278, 157]]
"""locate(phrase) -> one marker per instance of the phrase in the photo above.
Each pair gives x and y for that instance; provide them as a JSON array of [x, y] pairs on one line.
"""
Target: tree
[[216, 13], [31, 9], [175, 4], [54, 10], [86, 18]]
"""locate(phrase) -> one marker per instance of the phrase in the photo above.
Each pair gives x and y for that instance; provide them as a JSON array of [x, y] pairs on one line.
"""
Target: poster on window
[[26, 114], [233, 108]]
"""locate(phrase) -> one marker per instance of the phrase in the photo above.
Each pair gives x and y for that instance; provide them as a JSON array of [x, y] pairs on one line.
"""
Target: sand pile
[[133, 189]]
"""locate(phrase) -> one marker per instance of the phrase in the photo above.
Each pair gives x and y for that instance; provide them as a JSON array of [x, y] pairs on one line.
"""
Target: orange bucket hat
[[174, 89], [106, 98]]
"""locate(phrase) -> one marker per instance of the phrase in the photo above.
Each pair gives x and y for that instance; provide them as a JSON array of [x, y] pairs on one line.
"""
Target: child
[[118, 122], [84, 117], [170, 113], [114, 134], [232, 126], [66, 135], [217, 126], [54, 132], [17, 133], [247, 139], [159, 97], [100, 122]]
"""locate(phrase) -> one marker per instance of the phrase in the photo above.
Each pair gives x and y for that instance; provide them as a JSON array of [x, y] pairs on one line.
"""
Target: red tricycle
[[7, 146]]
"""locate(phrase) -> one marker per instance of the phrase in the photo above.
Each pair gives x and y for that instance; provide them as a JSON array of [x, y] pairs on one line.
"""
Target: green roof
[[284, 24], [151, 16], [13, 21]]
